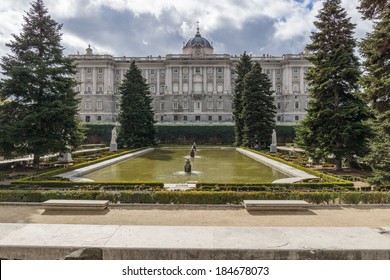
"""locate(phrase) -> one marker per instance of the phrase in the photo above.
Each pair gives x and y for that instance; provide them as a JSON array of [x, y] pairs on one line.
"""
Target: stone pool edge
[[74, 175], [297, 175]]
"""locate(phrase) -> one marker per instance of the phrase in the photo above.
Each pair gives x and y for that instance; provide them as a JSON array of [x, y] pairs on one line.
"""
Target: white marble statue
[[113, 136], [274, 137]]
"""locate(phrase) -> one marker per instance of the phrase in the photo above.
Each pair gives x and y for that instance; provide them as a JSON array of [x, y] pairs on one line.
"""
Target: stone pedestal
[[65, 157], [273, 148], [113, 147]]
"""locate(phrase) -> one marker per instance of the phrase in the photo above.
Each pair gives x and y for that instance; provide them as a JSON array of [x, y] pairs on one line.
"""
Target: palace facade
[[196, 86]]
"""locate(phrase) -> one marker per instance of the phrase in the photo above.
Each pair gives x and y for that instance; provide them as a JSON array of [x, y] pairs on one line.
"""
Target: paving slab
[[46, 241]]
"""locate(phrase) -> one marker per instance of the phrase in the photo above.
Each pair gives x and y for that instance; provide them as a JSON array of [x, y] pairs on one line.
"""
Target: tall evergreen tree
[[375, 48], [372, 9], [243, 67], [39, 112], [334, 124], [258, 109], [136, 116]]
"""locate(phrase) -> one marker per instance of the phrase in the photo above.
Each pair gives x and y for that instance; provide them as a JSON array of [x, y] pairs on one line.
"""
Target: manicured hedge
[[201, 134], [98, 133], [195, 197], [185, 134]]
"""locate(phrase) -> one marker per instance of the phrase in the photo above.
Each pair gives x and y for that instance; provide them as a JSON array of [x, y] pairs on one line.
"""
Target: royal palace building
[[195, 86]]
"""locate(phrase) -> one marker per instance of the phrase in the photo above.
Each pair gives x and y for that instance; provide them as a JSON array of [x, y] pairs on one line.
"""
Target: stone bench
[[59, 204], [275, 205]]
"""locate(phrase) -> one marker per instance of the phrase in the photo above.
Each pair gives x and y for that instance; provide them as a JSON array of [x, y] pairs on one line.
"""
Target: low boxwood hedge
[[195, 197]]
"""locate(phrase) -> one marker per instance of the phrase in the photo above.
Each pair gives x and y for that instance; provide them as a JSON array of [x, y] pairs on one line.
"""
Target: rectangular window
[[220, 69], [210, 118], [185, 105], [152, 72], [100, 89], [220, 105], [197, 70], [197, 118], [162, 89], [268, 71], [278, 118], [89, 70], [297, 105], [162, 106], [278, 90], [117, 72], [88, 105], [100, 70], [99, 118], [279, 106], [162, 118], [210, 105], [184, 118], [175, 105], [89, 89], [175, 118], [87, 118], [99, 105], [219, 118], [297, 118], [295, 69], [278, 71], [175, 70]]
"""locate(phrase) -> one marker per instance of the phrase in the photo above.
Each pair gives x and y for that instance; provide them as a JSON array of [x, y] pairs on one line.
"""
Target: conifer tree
[[334, 124], [243, 67], [136, 116], [375, 48], [38, 112], [258, 109]]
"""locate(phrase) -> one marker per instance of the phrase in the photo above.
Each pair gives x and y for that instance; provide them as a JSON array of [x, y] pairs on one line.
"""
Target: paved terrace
[[185, 232]]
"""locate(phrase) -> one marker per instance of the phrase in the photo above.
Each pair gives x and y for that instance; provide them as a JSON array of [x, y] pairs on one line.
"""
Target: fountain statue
[[187, 166], [273, 147], [192, 153], [113, 144], [194, 146]]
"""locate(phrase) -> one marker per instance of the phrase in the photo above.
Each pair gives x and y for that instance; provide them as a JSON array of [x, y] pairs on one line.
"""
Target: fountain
[[187, 166]]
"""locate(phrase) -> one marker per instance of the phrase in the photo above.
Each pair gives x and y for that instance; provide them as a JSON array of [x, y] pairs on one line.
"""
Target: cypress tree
[[258, 109], [38, 112], [243, 67], [334, 124], [375, 48], [136, 116]]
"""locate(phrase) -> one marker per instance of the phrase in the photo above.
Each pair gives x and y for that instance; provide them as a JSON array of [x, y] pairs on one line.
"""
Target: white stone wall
[[187, 89]]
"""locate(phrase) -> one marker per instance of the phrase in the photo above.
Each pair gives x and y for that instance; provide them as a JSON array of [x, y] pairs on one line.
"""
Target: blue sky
[[159, 27]]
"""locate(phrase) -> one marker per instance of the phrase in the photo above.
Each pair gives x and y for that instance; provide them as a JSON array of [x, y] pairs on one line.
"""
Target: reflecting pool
[[209, 165]]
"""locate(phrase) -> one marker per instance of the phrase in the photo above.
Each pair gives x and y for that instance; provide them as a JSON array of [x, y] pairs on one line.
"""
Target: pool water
[[209, 165]]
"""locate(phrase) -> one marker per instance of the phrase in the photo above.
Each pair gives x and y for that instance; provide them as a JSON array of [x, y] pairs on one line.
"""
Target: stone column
[[157, 72], [204, 69], [180, 80], [82, 79], [168, 79], [190, 80], [215, 81], [226, 80], [94, 80]]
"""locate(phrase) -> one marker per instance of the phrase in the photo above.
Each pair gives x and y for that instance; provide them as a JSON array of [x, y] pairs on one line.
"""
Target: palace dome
[[198, 42]]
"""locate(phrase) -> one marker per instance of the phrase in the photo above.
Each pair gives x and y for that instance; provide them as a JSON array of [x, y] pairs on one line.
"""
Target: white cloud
[[291, 20]]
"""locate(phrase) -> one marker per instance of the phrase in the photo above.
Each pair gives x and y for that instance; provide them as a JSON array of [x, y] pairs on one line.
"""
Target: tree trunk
[[337, 162], [36, 161]]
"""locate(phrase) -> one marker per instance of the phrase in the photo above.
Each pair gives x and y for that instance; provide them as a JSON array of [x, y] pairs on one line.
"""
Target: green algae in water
[[167, 165]]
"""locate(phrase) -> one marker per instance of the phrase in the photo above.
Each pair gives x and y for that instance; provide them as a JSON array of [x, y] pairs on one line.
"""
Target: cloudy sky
[[159, 27]]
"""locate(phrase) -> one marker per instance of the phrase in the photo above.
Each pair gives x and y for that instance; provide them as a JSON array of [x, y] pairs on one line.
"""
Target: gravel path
[[201, 216]]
